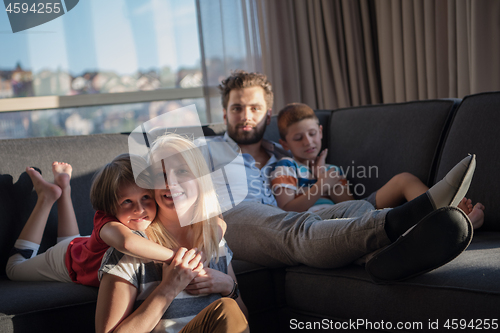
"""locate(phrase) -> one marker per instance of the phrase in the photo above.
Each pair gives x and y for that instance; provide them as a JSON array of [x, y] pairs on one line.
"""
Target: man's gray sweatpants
[[269, 236]]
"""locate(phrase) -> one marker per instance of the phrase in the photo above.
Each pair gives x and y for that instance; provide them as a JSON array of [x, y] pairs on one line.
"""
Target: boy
[[307, 183]]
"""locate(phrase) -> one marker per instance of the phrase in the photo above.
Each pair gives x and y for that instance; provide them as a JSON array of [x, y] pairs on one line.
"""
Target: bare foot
[[62, 174], [44, 189], [465, 205], [476, 215]]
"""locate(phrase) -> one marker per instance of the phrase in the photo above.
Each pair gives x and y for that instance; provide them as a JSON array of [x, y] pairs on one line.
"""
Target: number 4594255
[[37, 8]]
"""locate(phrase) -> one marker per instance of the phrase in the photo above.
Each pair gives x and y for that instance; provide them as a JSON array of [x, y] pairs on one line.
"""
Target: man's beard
[[247, 138]]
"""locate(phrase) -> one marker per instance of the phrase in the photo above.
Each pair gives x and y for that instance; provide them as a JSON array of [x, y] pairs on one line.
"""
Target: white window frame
[[57, 102]]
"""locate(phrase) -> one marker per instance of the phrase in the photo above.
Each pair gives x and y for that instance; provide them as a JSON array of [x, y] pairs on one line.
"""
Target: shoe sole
[[436, 240], [465, 183]]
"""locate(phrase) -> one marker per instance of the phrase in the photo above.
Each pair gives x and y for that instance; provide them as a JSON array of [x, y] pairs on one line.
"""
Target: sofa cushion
[[466, 288], [374, 143], [475, 130], [58, 305]]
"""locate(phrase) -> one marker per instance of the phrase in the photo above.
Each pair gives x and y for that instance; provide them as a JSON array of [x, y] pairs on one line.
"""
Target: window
[[106, 66]]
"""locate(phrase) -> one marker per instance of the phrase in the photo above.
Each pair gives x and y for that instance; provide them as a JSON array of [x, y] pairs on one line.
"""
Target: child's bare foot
[[44, 189], [465, 205], [62, 174], [476, 215]]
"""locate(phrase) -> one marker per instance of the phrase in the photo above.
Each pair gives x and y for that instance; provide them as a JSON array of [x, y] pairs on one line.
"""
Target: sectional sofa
[[371, 144]]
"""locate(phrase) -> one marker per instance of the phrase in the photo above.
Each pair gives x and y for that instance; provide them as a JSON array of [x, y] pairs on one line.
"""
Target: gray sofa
[[371, 144]]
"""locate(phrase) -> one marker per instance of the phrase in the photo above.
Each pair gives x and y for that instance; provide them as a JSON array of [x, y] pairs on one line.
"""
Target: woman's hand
[[185, 266], [210, 281]]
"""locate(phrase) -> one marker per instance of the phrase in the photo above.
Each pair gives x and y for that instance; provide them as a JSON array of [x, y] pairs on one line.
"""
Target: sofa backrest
[[374, 143], [475, 129]]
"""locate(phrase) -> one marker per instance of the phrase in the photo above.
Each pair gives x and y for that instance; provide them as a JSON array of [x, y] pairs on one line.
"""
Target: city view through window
[[118, 47]]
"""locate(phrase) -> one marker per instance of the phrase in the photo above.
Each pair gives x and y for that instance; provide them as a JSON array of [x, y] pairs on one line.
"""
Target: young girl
[[121, 206], [186, 294]]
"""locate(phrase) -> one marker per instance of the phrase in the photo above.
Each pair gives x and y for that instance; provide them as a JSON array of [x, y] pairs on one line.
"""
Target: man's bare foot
[[44, 189], [62, 174], [465, 205], [476, 215]]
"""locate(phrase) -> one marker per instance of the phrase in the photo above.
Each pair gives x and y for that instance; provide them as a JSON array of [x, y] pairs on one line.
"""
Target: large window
[[106, 66]]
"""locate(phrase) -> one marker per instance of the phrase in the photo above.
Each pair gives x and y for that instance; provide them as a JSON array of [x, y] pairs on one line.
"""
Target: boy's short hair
[[240, 79], [291, 114]]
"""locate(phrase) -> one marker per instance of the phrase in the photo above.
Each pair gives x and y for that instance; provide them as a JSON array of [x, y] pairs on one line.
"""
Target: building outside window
[[107, 66]]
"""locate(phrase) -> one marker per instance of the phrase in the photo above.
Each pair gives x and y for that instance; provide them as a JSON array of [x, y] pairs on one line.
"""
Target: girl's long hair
[[207, 209], [107, 182]]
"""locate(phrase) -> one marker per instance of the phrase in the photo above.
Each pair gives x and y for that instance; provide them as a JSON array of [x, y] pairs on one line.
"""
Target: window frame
[[57, 102]]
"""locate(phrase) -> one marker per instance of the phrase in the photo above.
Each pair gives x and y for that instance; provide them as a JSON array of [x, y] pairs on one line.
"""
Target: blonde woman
[[195, 292]]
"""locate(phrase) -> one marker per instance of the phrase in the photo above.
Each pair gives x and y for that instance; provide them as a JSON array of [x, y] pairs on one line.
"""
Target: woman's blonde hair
[[207, 209]]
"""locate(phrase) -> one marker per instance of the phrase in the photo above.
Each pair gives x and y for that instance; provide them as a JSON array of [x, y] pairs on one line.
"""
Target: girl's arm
[[116, 296], [124, 240]]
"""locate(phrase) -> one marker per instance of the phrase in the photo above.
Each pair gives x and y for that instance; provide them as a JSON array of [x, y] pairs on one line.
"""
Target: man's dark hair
[[240, 79]]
